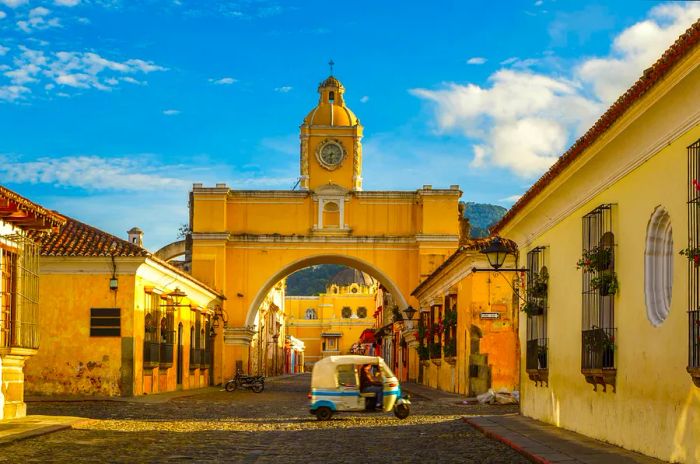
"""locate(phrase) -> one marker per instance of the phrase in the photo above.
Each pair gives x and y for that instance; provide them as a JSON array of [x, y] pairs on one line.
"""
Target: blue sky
[[110, 110]]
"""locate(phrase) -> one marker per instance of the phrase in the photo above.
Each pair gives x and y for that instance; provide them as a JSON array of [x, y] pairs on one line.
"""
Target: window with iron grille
[[449, 323], [693, 255], [536, 309], [105, 322], [346, 312], [436, 329], [151, 324], [598, 294], [19, 292]]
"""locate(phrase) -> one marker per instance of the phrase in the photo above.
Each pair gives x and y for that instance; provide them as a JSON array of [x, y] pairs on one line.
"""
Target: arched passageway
[[345, 260]]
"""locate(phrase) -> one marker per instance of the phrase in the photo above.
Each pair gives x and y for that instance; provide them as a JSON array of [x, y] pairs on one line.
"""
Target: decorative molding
[[240, 336]]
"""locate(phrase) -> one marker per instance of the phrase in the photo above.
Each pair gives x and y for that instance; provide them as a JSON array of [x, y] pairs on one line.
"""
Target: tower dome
[[351, 276], [331, 109]]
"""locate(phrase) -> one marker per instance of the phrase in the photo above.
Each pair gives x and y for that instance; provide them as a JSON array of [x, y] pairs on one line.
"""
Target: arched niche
[[658, 266]]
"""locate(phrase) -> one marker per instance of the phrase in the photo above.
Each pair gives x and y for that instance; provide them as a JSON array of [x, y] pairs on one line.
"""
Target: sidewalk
[[540, 442], [33, 426], [544, 443]]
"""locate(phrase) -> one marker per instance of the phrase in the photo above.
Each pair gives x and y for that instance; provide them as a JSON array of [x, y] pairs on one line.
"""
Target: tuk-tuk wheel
[[324, 413], [402, 411]]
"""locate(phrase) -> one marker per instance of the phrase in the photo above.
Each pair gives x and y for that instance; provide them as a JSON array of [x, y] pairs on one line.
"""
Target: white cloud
[[476, 60], [12, 92], [68, 3], [223, 81], [38, 19], [171, 112], [74, 69], [510, 199], [284, 89], [92, 173], [523, 120], [13, 3], [3, 15], [364, 99], [637, 48], [3, 50]]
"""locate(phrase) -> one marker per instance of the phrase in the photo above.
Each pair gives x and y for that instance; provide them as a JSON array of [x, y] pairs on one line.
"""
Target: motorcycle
[[251, 382]]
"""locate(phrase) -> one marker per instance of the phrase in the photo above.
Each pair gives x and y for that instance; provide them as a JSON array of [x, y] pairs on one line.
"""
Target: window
[[658, 266], [105, 322], [19, 292], [449, 323], [347, 376], [598, 297], [436, 329], [536, 309], [346, 312], [311, 314], [361, 312], [331, 344], [693, 255]]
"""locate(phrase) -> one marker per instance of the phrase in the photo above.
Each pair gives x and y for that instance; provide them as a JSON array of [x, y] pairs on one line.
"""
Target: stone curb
[[39, 431], [531, 456]]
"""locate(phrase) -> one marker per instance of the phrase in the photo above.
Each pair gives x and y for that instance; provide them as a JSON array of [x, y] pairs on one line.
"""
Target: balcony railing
[[536, 357], [195, 356], [694, 338], [598, 357], [205, 360], [151, 354], [166, 355]]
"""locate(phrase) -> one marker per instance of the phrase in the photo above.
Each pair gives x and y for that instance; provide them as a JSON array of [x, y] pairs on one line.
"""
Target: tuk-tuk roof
[[324, 373]]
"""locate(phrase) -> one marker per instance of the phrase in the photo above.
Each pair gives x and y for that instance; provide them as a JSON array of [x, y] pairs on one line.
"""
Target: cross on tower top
[[330, 64]]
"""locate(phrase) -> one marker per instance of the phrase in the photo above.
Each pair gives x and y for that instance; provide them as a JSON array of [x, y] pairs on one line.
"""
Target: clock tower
[[331, 148]]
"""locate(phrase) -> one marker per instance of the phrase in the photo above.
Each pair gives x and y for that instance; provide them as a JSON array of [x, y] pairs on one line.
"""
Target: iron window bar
[[693, 268]]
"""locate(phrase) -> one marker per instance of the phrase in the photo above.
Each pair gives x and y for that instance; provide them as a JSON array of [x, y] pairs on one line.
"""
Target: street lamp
[[177, 295], [219, 314], [496, 253], [410, 311]]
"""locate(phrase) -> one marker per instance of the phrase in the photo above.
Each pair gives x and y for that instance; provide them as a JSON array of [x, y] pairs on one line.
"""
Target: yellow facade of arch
[[244, 241]]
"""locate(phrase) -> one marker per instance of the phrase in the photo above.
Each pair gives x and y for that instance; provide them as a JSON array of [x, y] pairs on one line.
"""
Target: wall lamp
[[496, 253]]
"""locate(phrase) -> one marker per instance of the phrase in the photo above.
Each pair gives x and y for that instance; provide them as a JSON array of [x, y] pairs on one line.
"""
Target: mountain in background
[[311, 280], [482, 216]]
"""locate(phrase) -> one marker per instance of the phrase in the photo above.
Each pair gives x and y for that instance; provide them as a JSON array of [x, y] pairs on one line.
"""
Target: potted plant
[[533, 307], [396, 314], [693, 254], [596, 259], [450, 348], [423, 352], [538, 285], [450, 319], [435, 350], [605, 282]]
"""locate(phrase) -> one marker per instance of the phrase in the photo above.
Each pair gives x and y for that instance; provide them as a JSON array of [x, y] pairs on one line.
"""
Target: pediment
[[330, 190]]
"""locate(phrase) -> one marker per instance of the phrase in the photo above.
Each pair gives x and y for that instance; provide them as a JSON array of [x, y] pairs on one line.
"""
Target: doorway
[[179, 354]]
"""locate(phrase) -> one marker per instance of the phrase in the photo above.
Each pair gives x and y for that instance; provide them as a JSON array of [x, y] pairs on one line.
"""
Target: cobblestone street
[[274, 426]]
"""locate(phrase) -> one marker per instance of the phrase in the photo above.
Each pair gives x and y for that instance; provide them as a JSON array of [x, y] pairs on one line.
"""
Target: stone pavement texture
[[212, 425], [546, 443]]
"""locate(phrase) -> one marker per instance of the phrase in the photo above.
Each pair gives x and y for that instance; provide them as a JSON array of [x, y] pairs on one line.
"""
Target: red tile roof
[[25, 214], [77, 239], [681, 48]]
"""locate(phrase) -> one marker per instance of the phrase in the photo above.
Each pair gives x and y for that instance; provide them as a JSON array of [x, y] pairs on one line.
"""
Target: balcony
[[598, 357], [536, 362], [166, 355], [195, 357], [151, 354]]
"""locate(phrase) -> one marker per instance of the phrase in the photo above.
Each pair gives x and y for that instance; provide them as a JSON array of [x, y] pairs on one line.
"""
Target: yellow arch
[[307, 261]]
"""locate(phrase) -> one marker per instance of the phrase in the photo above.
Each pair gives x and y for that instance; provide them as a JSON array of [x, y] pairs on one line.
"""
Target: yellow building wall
[[328, 308], [656, 408], [476, 293], [69, 361]]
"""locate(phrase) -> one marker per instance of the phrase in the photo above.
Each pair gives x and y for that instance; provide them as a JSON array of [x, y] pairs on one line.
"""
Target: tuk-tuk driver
[[371, 384]]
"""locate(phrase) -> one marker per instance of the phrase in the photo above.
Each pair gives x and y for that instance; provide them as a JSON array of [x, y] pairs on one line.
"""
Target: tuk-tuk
[[335, 387]]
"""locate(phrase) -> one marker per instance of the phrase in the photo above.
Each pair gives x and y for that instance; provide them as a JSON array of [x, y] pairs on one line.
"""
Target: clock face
[[331, 154]]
